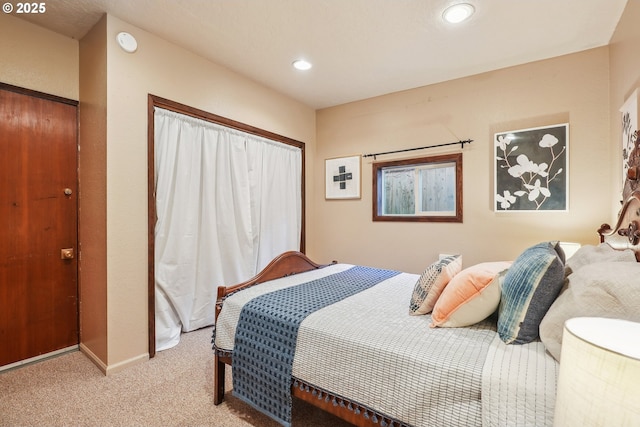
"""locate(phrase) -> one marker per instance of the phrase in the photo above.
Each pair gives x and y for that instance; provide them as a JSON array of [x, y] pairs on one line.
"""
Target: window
[[425, 189]]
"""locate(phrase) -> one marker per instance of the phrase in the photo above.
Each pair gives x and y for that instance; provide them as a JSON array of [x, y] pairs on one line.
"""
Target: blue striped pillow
[[530, 286]]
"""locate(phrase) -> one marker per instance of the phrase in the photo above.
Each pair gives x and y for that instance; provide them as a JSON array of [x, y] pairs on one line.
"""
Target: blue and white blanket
[[366, 348], [267, 333]]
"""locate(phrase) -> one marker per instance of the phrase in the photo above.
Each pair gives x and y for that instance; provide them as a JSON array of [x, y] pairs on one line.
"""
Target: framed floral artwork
[[629, 112], [532, 169]]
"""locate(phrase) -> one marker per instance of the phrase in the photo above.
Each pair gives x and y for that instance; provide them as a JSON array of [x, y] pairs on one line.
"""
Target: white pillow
[[604, 289]]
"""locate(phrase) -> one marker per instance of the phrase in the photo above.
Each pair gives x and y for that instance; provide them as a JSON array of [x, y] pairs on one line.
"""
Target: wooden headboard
[[626, 233]]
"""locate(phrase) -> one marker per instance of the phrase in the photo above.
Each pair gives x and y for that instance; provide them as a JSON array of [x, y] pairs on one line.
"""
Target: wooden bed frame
[[625, 235], [287, 264]]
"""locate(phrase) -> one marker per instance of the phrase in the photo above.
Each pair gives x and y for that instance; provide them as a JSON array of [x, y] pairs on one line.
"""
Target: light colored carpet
[[175, 388]]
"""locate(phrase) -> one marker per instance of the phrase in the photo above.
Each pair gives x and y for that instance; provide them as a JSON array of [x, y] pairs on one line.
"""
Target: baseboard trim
[[39, 358], [95, 359], [117, 367]]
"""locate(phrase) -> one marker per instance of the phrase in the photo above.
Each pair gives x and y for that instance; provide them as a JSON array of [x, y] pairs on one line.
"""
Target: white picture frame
[[531, 169], [342, 178], [629, 122]]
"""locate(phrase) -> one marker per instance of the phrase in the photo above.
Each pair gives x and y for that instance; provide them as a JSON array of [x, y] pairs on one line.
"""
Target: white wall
[[166, 70], [572, 88], [624, 80], [37, 59]]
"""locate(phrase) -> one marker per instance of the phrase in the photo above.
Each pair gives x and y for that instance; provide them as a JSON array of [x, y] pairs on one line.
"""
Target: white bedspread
[[367, 348], [518, 385]]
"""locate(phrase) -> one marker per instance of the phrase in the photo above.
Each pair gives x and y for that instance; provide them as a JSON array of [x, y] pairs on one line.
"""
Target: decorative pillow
[[559, 251], [590, 254], [530, 286], [431, 283], [602, 289], [470, 297]]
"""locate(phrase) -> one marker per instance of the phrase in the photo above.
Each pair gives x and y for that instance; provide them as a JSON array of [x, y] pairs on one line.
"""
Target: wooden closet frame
[[156, 101]]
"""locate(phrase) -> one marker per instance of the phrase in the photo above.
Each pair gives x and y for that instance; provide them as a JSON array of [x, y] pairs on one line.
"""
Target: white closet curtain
[[227, 203]]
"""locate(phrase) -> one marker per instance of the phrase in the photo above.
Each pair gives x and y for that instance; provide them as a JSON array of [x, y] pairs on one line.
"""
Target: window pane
[[438, 188], [399, 191], [424, 189]]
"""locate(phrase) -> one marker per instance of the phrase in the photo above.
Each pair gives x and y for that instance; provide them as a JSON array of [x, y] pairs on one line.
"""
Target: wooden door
[[38, 231]]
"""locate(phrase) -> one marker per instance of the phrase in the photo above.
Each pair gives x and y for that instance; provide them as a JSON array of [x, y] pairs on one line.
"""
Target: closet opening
[[224, 198]]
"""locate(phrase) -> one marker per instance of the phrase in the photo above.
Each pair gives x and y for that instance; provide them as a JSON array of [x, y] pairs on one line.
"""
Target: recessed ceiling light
[[458, 12], [301, 64]]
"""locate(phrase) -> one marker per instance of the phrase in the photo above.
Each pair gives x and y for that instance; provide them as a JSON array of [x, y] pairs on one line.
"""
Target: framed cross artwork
[[342, 178]]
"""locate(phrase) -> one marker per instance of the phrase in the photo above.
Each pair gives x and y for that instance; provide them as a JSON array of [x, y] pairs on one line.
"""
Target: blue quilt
[[267, 333]]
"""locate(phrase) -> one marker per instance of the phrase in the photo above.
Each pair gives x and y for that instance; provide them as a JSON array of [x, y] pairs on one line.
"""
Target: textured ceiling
[[359, 48]]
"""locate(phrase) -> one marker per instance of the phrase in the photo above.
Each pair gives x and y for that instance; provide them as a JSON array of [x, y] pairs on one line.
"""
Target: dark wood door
[[38, 231]]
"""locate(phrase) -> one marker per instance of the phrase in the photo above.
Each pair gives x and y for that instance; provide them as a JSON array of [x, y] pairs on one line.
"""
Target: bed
[[421, 350]]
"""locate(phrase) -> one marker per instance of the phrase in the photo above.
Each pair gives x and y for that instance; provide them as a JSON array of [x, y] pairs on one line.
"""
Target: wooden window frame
[[378, 168]]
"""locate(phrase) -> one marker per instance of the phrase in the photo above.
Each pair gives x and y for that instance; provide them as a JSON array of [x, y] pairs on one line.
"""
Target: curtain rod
[[466, 141]]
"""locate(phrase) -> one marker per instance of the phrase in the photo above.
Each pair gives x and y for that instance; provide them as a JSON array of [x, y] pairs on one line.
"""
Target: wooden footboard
[[286, 264], [345, 409]]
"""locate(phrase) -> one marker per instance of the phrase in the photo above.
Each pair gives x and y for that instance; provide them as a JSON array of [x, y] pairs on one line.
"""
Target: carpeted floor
[[172, 389]]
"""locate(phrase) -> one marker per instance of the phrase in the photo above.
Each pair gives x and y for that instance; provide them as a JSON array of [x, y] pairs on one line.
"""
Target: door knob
[[67, 253]]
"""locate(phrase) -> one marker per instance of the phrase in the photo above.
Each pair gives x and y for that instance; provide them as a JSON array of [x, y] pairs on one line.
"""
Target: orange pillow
[[470, 297]]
